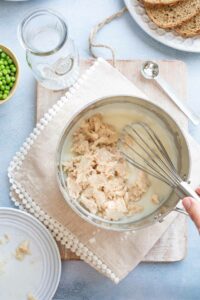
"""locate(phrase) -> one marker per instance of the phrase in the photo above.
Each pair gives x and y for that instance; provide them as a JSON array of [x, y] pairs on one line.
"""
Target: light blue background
[[148, 281]]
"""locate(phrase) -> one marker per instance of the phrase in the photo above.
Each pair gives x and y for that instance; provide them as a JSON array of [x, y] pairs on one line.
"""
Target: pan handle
[[181, 210]]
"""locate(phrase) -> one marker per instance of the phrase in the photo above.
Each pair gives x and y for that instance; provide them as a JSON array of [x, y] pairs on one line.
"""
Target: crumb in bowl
[[97, 174], [22, 250], [31, 297], [4, 239]]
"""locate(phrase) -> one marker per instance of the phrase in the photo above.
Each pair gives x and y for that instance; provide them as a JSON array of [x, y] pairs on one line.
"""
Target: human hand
[[193, 209]]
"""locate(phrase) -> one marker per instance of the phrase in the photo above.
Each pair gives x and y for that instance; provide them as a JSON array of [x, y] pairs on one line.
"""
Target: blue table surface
[[180, 280]]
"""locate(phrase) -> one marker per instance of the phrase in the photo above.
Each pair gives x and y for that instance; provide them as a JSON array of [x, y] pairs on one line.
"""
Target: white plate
[[166, 37], [39, 273]]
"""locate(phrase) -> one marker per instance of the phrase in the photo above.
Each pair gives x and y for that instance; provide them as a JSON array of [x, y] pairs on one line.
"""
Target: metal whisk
[[142, 148]]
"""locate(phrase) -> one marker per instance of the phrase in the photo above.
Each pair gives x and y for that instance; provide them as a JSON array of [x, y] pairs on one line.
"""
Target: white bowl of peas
[[9, 73]]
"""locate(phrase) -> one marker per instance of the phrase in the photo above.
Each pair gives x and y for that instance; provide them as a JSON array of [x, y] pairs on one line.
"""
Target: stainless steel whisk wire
[[158, 162]]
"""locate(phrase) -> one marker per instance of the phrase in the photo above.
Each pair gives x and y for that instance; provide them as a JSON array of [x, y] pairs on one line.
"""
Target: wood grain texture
[[172, 246]]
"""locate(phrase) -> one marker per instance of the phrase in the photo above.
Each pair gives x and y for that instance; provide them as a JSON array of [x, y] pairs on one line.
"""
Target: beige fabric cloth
[[34, 185]]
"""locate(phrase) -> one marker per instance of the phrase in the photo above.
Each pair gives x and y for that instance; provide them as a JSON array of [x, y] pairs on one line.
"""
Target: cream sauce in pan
[[120, 115]]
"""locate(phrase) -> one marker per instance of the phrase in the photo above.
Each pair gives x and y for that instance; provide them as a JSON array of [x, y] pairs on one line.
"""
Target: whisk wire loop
[[140, 140], [156, 159]]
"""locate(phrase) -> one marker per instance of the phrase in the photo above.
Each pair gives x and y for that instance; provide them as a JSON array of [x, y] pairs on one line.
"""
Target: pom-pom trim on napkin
[[59, 232]]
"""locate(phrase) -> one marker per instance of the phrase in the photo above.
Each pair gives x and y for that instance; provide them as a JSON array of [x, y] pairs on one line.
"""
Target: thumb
[[193, 209]]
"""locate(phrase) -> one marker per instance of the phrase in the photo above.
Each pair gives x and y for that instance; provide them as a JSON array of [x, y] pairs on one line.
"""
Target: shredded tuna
[[97, 174]]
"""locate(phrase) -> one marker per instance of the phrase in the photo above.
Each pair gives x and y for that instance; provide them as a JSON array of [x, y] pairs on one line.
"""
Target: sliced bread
[[190, 28], [172, 16], [161, 2]]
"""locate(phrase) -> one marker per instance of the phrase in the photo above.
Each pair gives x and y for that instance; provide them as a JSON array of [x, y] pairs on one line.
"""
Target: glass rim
[[36, 13]]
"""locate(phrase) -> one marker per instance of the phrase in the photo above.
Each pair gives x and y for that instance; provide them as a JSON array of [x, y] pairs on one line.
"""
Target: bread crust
[[160, 3]]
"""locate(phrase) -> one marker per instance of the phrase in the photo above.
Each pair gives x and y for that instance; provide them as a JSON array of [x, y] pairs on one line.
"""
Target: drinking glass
[[50, 53]]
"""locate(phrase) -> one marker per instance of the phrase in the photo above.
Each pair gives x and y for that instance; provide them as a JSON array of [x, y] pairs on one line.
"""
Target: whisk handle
[[187, 190]]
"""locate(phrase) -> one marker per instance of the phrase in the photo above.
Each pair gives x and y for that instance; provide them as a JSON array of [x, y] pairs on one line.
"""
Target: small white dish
[[166, 37], [39, 273]]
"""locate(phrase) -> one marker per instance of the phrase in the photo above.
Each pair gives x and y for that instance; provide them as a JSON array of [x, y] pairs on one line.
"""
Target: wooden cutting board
[[172, 246]]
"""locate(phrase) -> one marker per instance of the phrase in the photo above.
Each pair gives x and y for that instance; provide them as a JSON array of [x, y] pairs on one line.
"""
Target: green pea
[[3, 55], [13, 78], [8, 79], [13, 68], [4, 96], [3, 81]]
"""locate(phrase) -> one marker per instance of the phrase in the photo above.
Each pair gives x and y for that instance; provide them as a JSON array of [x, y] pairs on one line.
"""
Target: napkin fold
[[34, 185]]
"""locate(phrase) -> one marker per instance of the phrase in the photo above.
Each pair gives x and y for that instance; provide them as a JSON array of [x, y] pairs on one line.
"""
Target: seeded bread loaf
[[161, 2], [190, 28], [172, 16]]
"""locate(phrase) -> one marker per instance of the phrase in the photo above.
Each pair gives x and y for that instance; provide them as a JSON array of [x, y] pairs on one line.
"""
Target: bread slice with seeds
[[172, 16], [190, 28]]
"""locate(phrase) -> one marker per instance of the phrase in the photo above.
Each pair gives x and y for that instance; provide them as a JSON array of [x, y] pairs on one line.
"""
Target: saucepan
[[148, 110]]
